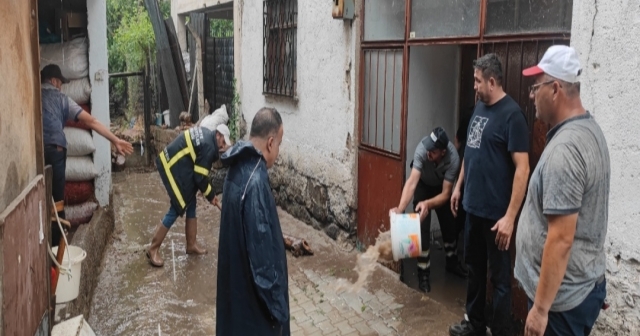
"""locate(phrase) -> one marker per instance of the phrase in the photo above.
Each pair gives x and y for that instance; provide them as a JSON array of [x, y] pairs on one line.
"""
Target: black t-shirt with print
[[494, 133]]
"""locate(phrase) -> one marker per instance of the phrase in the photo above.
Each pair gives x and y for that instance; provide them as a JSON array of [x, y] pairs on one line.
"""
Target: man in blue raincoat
[[253, 289]]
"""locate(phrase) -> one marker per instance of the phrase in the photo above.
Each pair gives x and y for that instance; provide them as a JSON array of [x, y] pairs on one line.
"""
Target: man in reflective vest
[[184, 167]]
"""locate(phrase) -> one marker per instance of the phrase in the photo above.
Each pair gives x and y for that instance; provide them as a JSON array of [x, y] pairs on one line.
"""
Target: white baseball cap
[[560, 62], [224, 130]]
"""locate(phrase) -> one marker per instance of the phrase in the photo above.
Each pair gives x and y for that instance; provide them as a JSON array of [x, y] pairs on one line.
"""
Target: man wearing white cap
[[184, 167], [560, 259]]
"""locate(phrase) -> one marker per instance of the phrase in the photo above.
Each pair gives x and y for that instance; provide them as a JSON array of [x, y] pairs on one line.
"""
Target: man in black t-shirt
[[494, 173]]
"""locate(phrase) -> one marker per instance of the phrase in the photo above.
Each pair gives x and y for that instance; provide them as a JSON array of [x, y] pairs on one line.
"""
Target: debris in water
[[297, 246], [366, 263]]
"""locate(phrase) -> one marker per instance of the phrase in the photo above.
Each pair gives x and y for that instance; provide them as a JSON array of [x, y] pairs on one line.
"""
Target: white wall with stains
[[605, 34], [319, 124]]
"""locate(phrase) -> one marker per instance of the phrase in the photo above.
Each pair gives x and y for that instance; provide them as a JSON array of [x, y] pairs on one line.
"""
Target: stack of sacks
[[73, 59], [80, 173]]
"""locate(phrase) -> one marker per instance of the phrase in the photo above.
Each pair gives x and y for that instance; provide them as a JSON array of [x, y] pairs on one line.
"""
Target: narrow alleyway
[[134, 299]]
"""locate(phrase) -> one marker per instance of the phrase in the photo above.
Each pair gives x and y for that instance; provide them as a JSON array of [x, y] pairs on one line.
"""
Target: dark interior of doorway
[[429, 68]]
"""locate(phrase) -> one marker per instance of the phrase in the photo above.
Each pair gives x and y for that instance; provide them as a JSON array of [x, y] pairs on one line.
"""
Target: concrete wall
[[181, 8], [314, 178], [433, 95], [20, 96], [99, 77], [606, 36]]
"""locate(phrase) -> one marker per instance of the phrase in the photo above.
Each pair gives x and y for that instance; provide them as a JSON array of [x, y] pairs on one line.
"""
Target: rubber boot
[[191, 231], [423, 280], [153, 253]]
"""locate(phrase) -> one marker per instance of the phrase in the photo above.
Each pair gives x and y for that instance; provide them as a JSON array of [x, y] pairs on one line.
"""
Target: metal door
[[381, 145]]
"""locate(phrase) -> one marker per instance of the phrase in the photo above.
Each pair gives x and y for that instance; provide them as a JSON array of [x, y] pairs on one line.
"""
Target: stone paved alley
[[134, 299]]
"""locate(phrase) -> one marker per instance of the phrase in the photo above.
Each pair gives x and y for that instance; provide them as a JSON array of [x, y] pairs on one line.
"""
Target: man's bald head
[[266, 123]]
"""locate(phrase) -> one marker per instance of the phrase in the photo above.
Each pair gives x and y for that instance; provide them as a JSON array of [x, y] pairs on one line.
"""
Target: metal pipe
[[126, 74]]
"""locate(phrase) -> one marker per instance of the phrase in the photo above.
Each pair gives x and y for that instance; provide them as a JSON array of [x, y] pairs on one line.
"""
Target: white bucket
[[166, 118], [406, 241], [69, 285]]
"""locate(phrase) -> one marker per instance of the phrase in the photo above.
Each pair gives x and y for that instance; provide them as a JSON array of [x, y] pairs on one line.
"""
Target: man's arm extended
[[433, 203], [408, 190], [123, 147]]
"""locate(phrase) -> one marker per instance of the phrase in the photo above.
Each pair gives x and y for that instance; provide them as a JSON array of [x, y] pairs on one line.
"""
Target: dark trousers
[[56, 157], [447, 222], [579, 320], [480, 247]]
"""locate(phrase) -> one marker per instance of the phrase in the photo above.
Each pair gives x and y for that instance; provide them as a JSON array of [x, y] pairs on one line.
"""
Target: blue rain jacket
[[253, 288]]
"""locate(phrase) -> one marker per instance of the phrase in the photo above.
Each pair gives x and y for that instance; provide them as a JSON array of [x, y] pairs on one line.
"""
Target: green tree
[[130, 41]]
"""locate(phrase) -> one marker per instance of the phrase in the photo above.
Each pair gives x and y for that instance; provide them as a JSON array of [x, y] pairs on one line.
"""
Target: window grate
[[280, 25]]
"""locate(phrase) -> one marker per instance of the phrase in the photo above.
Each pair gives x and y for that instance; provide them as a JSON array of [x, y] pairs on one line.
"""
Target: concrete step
[[76, 326]]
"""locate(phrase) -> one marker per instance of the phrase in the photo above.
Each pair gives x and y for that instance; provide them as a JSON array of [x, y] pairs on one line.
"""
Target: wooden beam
[[165, 60]]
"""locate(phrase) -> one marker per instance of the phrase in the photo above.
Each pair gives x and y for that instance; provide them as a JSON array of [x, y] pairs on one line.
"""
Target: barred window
[[280, 23]]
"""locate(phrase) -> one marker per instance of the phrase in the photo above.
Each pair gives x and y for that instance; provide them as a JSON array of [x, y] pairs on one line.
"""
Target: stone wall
[[320, 204]]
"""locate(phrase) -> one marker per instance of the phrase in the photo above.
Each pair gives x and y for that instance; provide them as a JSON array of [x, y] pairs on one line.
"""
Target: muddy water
[[366, 263], [132, 298]]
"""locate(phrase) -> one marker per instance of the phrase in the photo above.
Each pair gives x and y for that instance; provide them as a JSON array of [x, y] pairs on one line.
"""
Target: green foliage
[[221, 28], [130, 41], [234, 123]]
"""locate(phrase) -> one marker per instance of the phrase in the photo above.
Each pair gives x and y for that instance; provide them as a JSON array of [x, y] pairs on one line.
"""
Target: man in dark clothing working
[[494, 173], [57, 108], [434, 169], [184, 167], [253, 293]]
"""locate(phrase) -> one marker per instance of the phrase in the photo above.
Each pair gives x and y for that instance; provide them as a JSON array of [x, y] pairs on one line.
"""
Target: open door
[[381, 145]]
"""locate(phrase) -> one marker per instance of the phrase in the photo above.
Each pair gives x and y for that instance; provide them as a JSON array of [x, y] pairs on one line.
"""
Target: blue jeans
[[480, 247], [56, 156], [579, 320], [172, 215]]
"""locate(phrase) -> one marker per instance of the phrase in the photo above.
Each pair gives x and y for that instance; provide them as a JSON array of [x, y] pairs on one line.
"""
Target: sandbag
[[72, 57], [216, 118], [79, 90], [80, 168], [79, 142], [81, 213], [78, 192]]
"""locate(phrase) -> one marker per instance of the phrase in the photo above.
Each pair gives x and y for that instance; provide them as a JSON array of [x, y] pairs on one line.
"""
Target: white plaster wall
[[181, 8], [433, 96], [99, 76], [605, 34], [319, 127]]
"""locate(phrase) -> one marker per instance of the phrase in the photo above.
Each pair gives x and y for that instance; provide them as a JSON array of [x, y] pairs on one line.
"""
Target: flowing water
[[366, 263]]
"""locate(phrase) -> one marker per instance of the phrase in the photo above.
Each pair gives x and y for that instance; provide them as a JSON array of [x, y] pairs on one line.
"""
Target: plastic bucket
[[158, 119], [69, 279], [166, 118], [406, 241]]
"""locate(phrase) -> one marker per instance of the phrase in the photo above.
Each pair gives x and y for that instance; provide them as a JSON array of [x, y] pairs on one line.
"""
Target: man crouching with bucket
[[184, 167], [434, 169]]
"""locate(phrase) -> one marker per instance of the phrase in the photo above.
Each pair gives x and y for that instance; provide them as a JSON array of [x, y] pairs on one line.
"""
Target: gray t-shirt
[[57, 109], [434, 175], [571, 177]]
